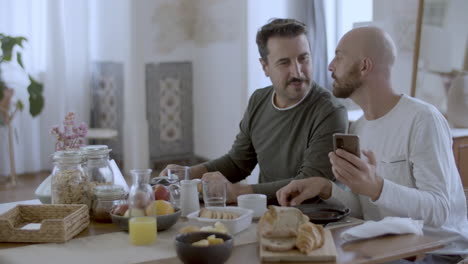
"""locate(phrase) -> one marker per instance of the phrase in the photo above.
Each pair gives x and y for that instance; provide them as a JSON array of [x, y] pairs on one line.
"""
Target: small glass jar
[[70, 182], [106, 197], [97, 164], [141, 194]]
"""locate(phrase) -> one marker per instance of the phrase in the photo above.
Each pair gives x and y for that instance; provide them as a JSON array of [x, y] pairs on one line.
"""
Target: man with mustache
[[287, 127], [409, 168]]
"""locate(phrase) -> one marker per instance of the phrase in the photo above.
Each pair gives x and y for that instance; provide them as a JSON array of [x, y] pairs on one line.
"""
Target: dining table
[[106, 243]]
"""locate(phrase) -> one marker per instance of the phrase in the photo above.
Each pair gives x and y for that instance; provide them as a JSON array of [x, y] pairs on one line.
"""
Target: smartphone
[[348, 142]]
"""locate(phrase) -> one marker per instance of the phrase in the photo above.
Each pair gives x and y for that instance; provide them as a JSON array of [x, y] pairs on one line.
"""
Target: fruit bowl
[[189, 253], [163, 221]]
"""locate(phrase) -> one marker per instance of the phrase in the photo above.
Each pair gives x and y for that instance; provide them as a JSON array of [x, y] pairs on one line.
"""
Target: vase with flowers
[[69, 182], [72, 137]]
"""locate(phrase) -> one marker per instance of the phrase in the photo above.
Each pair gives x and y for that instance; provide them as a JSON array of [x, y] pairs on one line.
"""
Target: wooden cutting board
[[326, 253]]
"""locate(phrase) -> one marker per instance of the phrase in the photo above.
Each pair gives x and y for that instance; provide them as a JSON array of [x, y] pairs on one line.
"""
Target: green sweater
[[287, 144]]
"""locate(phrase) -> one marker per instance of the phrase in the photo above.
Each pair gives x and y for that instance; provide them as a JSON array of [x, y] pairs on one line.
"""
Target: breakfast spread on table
[[285, 234]]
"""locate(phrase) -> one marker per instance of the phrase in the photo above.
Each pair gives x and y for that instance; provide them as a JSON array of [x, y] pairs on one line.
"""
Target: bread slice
[[214, 214], [205, 213], [281, 222], [278, 244]]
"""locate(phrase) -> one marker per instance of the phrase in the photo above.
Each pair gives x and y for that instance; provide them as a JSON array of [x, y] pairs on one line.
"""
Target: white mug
[[255, 202]]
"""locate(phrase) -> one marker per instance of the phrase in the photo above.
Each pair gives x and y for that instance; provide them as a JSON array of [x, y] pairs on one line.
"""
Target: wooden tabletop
[[93, 229], [377, 250]]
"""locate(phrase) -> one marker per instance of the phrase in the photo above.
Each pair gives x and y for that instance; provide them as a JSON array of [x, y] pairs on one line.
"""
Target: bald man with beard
[[408, 168]]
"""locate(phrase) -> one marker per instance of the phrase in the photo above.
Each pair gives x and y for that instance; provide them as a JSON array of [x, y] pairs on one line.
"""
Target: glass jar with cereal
[[70, 183]]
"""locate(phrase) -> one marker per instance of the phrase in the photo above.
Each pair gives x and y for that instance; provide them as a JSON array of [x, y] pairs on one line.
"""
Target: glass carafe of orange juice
[[141, 209]]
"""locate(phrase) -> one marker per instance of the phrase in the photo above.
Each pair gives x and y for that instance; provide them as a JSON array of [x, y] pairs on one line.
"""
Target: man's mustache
[[297, 80]]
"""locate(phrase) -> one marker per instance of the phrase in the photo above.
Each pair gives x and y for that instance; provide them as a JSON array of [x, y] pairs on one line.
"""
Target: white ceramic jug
[[189, 201]]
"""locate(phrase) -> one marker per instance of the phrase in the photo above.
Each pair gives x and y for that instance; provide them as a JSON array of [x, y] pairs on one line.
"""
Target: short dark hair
[[278, 27]]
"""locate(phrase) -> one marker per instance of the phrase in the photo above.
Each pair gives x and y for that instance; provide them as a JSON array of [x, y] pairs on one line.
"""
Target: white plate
[[233, 225]]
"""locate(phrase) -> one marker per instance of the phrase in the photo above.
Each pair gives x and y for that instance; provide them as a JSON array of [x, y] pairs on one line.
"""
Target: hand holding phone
[[348, 142]]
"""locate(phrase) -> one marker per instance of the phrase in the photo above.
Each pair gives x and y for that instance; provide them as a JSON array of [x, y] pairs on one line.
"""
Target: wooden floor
[[24, 188]]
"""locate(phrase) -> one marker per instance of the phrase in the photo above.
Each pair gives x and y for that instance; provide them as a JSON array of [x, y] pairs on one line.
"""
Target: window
[[341, 16]]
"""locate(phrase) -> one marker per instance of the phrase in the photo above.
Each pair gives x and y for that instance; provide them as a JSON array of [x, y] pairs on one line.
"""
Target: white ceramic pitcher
[[189, 201]]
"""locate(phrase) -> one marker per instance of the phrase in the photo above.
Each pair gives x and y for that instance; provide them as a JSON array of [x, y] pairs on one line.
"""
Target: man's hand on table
[[232, 189], [195, 172], [299, 190]]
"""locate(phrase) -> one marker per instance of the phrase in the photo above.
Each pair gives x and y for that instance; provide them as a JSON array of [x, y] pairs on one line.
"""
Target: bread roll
[[281, 222]]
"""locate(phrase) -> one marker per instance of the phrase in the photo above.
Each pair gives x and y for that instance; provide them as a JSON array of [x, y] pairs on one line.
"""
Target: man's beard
[[346, 86]]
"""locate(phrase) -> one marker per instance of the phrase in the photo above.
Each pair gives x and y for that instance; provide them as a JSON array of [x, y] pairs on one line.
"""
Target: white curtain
[[318, 40], [57, 53]]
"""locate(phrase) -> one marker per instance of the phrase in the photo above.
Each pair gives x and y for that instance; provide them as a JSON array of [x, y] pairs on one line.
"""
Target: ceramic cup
[[255, 202]]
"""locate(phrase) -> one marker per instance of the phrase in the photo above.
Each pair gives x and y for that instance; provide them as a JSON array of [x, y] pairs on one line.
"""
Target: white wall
[[220, 83], [398, 18], [456, 23], [112, 29], [216, 49]]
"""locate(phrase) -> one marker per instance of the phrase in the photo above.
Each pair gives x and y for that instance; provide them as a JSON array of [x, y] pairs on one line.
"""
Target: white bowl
[[233, 225], [253, 201]]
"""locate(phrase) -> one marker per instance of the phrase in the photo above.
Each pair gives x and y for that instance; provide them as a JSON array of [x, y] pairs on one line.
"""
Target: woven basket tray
[[59, 223]]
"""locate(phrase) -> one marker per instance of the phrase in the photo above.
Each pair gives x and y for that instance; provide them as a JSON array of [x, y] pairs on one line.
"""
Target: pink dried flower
[[72, 137]]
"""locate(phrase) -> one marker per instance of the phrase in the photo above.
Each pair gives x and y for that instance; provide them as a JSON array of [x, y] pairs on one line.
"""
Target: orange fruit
[[161, 207]]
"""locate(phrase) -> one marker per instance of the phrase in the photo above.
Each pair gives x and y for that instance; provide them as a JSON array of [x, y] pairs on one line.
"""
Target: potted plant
[[8, 107]]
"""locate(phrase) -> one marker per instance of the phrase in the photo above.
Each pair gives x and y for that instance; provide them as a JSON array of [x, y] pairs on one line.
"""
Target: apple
[[120, 209], [161, 192]]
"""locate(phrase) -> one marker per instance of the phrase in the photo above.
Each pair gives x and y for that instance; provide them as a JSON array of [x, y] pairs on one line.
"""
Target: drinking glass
[[176, 175], [214, 192]]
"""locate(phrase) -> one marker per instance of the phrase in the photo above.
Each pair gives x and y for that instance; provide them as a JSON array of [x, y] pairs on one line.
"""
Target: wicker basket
[[59, 223]]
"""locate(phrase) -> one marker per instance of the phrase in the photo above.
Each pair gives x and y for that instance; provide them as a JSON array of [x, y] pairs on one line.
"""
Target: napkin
[[118, 177], [388, 225]]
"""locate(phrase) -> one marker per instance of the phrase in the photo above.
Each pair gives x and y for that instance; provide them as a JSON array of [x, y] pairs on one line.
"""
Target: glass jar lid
[[109, 192], [68, 156], [96, 151]]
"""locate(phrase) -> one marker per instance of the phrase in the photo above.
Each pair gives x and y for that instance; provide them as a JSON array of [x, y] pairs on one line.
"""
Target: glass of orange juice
[[142, 230]]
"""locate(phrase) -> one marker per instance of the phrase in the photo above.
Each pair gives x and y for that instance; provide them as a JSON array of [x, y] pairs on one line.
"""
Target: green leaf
[[36, 100], [19, 59], [20, 105], [2, 87], [8, 43], [34, 87], [36, 104]]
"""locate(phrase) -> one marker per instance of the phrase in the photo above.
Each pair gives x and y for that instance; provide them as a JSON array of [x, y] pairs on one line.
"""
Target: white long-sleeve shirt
[[413, 148]]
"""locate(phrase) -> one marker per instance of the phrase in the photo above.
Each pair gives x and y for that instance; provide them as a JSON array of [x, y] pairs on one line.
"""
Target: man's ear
[[366, 66], [264, 67]]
